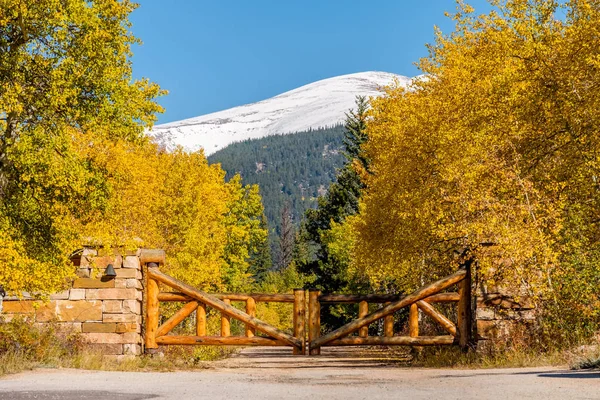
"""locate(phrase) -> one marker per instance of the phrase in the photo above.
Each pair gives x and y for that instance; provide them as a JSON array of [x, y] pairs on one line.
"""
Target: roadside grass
[[579, 357], [24, 346]]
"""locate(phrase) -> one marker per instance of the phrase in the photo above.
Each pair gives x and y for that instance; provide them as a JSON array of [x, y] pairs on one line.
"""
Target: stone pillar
[[118, 332], [107, 312]]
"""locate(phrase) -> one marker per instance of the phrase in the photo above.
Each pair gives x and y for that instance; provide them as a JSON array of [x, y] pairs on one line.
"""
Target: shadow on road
[[73, 395]]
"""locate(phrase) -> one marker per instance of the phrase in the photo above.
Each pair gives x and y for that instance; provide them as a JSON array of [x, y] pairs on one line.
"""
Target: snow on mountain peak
[[319, 104]]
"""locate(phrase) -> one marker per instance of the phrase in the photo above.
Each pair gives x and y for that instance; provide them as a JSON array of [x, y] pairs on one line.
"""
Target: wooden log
[[413, 320], [201, 320], [388, 325], [251, 311], [437, 317], [225, 322], [464, 325], [363, 310], [152, 256], [220, 341], [179, 316], [420, 294], [151, 314], [393, 341], [443, 298], [258, 297], [289, 298], [219, 305], [299, 320], [357, 298], [314, 321]]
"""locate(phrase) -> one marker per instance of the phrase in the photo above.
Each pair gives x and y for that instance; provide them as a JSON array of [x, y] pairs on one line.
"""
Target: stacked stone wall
[[106, 312], [503, 317]]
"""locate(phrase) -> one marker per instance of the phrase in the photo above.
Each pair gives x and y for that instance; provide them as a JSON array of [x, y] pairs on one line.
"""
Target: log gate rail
[[422, 299]]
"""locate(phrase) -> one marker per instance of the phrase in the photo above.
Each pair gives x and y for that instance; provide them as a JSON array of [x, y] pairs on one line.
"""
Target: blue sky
[[213, 55]]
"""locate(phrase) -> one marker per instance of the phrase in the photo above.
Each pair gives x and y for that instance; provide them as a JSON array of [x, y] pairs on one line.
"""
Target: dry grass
[[25, 347]]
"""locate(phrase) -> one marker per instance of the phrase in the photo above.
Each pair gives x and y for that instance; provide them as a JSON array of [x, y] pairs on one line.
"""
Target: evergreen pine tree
[[341, 200]]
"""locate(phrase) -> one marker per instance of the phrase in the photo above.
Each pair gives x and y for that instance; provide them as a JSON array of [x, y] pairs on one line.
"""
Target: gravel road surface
[[263, 374]]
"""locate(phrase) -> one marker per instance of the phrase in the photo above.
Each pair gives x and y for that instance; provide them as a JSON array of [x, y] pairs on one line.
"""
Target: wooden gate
[[354, 333], [197, 300], [459, 333]]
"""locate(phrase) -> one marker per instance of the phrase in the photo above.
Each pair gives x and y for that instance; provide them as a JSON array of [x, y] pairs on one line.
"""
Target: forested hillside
[[288, 168]]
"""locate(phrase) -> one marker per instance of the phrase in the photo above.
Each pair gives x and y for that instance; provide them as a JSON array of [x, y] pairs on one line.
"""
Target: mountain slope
[[293, 169], [319, 104]]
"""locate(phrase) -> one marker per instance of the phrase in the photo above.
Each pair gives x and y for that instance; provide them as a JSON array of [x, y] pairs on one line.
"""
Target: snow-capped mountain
[[319, 104]]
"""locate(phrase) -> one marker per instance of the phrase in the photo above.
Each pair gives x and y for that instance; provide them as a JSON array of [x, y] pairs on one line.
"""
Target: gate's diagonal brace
[[391, 308], [212, 301]]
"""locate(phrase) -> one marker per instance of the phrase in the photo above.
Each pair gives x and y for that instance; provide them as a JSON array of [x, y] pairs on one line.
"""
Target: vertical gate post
[[299, 320], [251, 311], [465, 328], [201, 320], [152, 313], [413, 320], [388, 324], [363, 310], [314, 320], [226, 321]]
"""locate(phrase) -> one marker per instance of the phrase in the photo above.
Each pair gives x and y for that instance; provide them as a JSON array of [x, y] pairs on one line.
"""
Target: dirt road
[[274, 374]]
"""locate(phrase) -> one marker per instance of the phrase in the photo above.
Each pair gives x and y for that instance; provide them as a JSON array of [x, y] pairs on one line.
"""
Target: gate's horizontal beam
[[325, 298], [393, 341], [207, 299], [258, 297], [220, 340], [391, 308]]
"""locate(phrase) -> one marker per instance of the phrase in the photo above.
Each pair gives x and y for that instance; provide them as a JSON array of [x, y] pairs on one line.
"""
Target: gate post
[[152, 313], [465, 324], [299, 320], [314, 320]]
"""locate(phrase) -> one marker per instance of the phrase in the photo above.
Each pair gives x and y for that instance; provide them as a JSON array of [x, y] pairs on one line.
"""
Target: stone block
[[100, 263], [128, 273], [120, 283], [119, 318], [139, 295], [99, 327], [112, 338], [47, 311], [78, 310], [111, 294], [64, 295], [123, 327], [134, 349], [86, 257], [83, 272], [77, 294], [134, 283], [487, 329], [132, 306], [89, 283], [18, 307], [112, 306], [105, 349], [485, 314], [131, 262], [506, 301]]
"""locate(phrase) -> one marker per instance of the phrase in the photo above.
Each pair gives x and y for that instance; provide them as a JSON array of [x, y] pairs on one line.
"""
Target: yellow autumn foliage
[[497, 144], [76, 169]]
